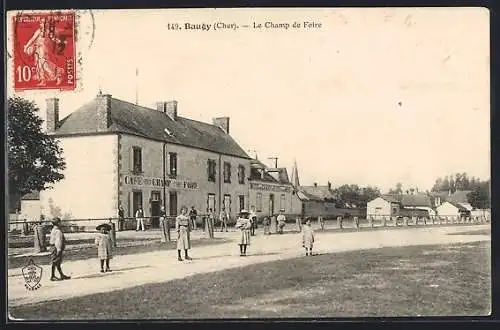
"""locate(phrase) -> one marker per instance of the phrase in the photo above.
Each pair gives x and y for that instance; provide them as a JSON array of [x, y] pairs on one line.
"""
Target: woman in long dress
[[307, 237], [39, 46], [244, 225], [183, 239]]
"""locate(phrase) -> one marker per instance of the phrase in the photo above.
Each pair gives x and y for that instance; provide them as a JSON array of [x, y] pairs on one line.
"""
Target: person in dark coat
[[121, 218], [57, 246], [253, 220], [104, 245], [192, 216], [164, 226]]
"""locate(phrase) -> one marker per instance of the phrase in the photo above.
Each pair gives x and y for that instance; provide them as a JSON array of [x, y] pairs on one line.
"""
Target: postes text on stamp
[[44, 51]]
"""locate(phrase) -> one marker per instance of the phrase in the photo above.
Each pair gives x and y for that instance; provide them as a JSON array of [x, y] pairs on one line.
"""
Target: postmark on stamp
[[44, 50], [32, 274]]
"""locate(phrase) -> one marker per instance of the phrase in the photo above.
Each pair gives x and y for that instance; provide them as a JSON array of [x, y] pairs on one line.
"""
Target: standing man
[[139, 216], [183, 239], [121, 218], [253, 220], [321, 222], [209, 225], [281, 222], [192, 215], [223, 219], [57, 246], [165, 230]]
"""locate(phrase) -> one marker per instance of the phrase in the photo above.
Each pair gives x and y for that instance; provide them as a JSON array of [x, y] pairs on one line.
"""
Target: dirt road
[[162, 266]]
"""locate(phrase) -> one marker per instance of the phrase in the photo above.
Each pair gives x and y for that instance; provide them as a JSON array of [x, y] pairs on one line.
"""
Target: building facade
[[118, 153], [270, 191], [382, 207]]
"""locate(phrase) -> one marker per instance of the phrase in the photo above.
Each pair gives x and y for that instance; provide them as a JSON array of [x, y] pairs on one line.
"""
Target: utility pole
[[275, 161], [137, 86]]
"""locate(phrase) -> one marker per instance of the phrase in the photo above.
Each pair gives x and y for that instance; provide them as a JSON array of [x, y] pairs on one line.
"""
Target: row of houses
[[122, 154], [444, 204]]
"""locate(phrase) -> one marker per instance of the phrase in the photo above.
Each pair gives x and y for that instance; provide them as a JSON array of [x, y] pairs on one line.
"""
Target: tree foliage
[[35, 159], [354, 196], [479, 197]]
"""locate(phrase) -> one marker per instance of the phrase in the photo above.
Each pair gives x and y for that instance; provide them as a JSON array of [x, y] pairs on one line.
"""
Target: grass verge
[[405, 281]]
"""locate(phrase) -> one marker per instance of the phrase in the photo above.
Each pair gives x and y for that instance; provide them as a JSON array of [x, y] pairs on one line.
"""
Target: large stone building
[[121, 153]]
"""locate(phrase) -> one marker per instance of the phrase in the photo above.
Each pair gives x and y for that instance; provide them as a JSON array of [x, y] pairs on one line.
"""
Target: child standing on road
[[104, 246], [307, 237]]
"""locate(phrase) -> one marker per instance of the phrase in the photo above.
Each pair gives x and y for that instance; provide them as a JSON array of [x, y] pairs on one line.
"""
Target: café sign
[[158, 182], [269, 187]]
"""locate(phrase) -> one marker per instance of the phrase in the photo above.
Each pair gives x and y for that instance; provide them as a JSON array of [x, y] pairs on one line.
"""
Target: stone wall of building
[[190, 184], [89, 188]]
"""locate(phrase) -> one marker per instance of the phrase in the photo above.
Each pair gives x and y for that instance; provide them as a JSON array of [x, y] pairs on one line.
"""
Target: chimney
[[222, 122], [329, 185], [315, 184], [52, 114], [169, 107], [103, 112]]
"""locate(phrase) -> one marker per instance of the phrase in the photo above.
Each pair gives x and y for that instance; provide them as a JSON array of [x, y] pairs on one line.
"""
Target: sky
[[372, 97]]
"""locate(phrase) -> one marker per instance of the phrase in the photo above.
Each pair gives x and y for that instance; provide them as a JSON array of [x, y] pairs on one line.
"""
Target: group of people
[[183, 223]]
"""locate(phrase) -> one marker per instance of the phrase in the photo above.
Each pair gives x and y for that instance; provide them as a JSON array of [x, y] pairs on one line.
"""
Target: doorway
[[172, 199], [136, 202], [155, 209], [271, 204]]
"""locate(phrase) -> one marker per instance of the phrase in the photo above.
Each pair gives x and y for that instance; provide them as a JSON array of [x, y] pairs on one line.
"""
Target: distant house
[[316, 200], [29, 210], [452, 209], [418, 204], [458, 197], [383, 206]]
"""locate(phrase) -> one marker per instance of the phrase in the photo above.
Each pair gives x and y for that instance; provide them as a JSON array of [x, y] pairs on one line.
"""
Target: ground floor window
[[227, 203], [242, 202], [258, 202], [282, 203], [211, 202]]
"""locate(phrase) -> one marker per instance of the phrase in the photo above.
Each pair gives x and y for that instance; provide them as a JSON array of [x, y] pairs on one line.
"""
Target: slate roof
[[407, 200], [150, 123], [319, 193], [256, 176], [282, 174], [459, 196], [390, 198], [257, 165]]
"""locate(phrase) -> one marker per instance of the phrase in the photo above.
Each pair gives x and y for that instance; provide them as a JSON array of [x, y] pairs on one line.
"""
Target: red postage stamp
[[44, 51]]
